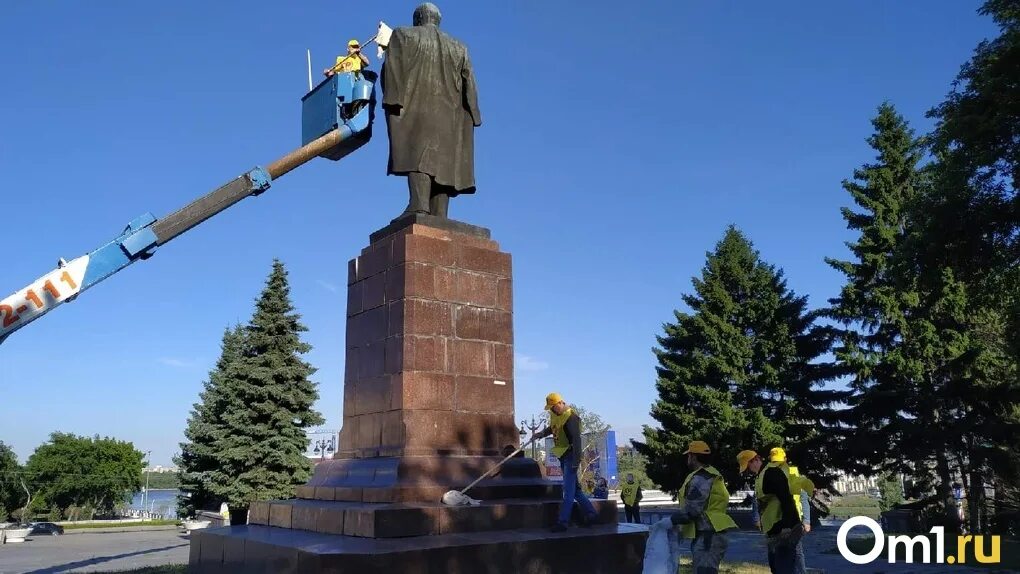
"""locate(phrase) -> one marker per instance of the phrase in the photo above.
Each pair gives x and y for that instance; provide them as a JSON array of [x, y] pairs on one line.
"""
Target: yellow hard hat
[[744, 457], [551, 400], [777, 455], [698, 447], [354, 44]]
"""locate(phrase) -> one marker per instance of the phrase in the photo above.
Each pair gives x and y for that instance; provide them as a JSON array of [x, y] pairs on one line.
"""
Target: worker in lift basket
[[354, 61]]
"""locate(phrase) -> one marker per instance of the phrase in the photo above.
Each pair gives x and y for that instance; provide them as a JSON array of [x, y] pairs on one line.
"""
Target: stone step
[[400, 520], [608, 549], [428, 492]]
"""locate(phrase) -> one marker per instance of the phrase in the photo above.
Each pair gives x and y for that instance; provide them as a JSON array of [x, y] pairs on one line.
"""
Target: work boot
[[558, 527]]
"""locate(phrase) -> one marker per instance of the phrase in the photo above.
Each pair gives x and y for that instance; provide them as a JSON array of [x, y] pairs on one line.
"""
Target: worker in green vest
[[780, 520], [630, 494], [702, 516]]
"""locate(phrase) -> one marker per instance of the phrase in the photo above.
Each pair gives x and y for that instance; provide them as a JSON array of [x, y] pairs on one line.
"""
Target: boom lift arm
[[336, 120]]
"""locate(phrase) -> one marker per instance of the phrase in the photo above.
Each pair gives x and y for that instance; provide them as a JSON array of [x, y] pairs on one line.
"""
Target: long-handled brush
[[458, 498]]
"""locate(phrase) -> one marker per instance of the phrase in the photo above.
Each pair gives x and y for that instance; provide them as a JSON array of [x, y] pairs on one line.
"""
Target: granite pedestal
[[428, 407]]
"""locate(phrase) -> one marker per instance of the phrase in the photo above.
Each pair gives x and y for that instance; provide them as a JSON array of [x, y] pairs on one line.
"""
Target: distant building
[[855, 484], [160, 469]]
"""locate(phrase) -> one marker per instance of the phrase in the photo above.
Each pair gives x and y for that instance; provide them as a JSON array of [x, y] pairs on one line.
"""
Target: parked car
[[47, 528]]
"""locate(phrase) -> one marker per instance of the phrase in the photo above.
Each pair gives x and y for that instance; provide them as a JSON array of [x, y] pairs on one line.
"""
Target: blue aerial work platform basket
[[344, 101]]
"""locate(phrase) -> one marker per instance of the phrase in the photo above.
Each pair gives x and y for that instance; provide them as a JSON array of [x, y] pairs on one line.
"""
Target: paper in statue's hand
[[382, 38]]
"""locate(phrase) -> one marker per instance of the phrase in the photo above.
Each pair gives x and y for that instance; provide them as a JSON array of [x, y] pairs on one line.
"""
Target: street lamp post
[[533, 427], [145, 495], [324, 447]]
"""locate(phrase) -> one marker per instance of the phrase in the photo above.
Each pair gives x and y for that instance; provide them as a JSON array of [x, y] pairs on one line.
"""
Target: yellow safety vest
[[556, 422], [797, 484], [628, 492], [715, 508]]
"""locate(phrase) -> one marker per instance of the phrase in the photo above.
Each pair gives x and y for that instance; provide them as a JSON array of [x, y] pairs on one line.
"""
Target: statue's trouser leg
[[420, 187], [439, 203]]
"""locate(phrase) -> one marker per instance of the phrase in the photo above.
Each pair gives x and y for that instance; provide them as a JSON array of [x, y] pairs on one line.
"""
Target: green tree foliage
[[968, 236], [78, 471], [162, 480], [978, 137], [593, 431], [741, 370], [260, 454], [908, 318], [11, 494], [628, 460], [890, 491], [200, 449], [872, 306]]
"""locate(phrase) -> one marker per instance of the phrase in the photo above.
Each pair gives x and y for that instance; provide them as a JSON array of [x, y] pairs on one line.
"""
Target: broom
[[458, 498]]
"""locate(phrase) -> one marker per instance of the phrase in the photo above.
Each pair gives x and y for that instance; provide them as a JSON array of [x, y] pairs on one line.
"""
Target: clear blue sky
[[619, 140]]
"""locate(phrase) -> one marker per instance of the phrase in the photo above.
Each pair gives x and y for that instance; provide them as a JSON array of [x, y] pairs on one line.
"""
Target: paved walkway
[[94, 552], [120, 551]]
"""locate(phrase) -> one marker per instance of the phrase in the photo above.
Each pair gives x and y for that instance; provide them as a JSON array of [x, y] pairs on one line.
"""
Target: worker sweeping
[[780, 520], [703, 516], [565, 428]]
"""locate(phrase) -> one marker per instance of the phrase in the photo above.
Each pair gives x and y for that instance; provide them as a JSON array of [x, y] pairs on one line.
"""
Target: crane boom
[[336, 119]]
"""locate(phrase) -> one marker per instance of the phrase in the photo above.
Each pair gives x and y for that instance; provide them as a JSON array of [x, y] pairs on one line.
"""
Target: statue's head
[[427, 13]]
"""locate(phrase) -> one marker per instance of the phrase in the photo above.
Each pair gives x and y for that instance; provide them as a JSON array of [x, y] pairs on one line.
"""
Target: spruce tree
[[740, 370], [968, 240], [262, 454], [205, 429], [926, 364], [871, 307]]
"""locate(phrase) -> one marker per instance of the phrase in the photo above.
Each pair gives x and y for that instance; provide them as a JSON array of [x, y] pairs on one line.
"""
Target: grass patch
[[728, 567], [120, 524], [848, 506], [172, 569], [1009, 551]]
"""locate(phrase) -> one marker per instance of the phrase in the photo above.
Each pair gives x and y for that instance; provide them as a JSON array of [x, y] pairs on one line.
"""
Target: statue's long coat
[[431, 104]]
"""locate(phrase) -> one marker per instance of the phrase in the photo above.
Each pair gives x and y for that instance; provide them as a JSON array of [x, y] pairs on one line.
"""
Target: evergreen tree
[[205, 429], [740, 371], [968, 238], [871, 306], [261, 454]]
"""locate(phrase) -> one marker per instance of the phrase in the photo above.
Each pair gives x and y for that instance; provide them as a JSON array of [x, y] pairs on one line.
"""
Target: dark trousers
[[782, 558], [427, 196], [633, 513]]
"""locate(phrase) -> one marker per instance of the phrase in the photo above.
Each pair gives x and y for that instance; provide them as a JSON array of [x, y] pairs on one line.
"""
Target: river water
[[159, 501]]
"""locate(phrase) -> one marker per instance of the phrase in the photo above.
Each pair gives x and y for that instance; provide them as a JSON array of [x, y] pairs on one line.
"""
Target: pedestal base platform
[[606, 549], [415, 519]]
